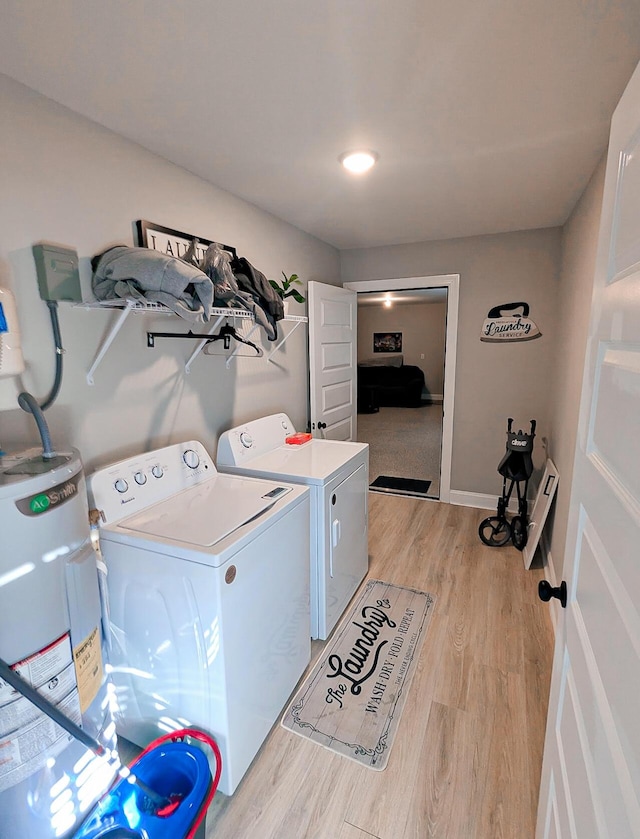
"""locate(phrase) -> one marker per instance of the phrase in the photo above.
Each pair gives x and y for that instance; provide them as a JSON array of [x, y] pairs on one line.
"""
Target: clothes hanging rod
[[151, 336]]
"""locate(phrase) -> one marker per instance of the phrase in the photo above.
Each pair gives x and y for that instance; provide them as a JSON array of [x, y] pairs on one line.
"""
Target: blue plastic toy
[[179, 776]]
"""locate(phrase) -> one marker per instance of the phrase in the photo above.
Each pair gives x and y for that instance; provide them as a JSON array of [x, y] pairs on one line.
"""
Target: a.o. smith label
[[43, 502]]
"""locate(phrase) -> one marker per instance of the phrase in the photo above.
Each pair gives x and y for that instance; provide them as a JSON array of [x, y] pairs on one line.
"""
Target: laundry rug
[[409, 486], [352, 700]]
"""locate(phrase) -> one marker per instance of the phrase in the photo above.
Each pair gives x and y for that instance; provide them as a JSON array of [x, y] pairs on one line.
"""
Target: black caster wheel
[[519, 532], [495, 531]]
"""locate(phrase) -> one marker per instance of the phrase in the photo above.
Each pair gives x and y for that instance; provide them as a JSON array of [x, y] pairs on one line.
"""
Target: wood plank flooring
[[466, 760]]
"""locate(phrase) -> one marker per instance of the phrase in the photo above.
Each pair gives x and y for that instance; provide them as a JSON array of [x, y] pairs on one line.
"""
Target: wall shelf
[[219, 314]]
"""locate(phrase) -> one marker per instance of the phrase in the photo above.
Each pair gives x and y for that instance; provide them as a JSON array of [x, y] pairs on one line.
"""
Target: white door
[[591, 769], [332, 361]]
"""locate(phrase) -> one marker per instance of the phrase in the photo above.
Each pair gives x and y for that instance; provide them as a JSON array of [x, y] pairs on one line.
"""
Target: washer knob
[[121, 485], [140, 478], [246, 439], [191, 459], [157, 471]]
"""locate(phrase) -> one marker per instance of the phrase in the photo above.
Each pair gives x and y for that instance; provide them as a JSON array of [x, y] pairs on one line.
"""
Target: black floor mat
[[410, 486]]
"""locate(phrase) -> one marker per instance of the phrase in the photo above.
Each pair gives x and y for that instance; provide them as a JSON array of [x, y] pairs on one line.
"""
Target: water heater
[[51, 633]]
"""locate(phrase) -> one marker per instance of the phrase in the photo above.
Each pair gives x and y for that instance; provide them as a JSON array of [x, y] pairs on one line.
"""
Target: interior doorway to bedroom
[[407, 334], [401, 351]]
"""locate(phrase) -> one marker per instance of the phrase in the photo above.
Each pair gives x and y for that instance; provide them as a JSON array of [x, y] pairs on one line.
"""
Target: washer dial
[[191, 459]]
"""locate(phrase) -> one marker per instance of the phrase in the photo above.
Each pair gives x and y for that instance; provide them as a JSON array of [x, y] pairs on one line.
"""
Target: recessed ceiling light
[[358, 161]]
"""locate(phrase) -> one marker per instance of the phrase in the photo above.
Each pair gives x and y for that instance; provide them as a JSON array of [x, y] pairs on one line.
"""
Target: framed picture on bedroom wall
[[387, 341]]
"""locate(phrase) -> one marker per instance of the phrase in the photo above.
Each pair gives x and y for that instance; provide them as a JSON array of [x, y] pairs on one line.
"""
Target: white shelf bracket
[[109, 340], [198, 349], [297, 323]]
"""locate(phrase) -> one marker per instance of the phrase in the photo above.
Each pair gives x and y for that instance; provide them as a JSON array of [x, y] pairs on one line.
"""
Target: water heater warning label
[[88, 660], [28, 738]]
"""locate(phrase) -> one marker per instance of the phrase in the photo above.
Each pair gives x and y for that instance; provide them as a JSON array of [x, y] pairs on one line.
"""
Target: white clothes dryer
[[209, 598], [337, 473]]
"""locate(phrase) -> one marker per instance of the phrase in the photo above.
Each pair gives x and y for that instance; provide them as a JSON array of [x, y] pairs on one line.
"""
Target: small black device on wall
[[387, 341]]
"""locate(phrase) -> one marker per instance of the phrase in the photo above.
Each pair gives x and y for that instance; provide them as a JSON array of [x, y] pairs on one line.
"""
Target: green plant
[[284, 289]]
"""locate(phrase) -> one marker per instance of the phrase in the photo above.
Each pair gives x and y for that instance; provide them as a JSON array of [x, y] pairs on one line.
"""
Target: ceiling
[[488, 115]]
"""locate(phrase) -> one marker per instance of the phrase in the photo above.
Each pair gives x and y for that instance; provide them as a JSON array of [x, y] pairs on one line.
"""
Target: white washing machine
[[209, 598], [337, 473]]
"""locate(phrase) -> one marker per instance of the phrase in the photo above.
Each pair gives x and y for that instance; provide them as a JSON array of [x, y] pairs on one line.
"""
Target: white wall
[[579, 245], [493, 381], [423, 332], [68, 180]]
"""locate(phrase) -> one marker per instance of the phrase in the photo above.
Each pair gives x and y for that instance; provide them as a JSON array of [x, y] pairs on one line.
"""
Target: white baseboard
[[549, 565], [478, 500]]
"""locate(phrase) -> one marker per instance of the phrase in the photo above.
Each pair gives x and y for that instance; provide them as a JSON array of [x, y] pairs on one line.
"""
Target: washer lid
[[315, 462], [205, 514]]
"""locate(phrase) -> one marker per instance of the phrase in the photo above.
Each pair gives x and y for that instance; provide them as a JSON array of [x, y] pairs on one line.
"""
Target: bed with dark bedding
[[388, 382]]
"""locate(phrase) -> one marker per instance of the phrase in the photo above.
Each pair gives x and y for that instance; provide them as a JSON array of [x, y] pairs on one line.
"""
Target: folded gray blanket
[[144, 274]]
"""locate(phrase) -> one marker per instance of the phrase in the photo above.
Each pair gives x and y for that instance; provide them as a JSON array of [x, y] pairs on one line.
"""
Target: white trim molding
[[479, 500], [472, 499], [452, 283]]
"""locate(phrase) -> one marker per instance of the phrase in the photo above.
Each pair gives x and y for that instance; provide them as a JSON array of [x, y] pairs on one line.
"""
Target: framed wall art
[[387, 341], [172, 242]]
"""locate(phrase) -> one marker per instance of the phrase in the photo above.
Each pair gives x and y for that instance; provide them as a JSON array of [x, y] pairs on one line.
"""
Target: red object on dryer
[[298, 439]]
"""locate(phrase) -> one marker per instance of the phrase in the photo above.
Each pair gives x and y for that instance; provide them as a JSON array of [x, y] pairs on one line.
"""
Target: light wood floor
[[466, 761]]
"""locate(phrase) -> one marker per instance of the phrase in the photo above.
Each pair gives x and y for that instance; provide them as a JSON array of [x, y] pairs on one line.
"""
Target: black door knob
[[322, 425], [546, 591]]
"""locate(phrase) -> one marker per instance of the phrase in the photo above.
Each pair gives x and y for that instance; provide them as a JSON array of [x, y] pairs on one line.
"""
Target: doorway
[[401, 337], [392, 425]]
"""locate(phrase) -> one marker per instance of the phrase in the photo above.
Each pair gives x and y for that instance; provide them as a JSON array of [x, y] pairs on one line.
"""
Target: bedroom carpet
[[404, 443]]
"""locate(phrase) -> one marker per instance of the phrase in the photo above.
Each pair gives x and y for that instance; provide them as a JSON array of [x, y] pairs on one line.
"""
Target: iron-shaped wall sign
[[509, 322]]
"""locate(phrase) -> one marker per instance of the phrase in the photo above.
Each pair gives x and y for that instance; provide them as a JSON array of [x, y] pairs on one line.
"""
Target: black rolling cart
[[516, 468]]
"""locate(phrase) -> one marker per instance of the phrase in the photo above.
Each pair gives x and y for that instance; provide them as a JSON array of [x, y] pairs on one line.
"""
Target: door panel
[[591, 764], [336, 396], [614, 417]]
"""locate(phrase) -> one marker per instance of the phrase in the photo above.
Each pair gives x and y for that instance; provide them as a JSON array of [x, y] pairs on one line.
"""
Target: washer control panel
[[132, 485]]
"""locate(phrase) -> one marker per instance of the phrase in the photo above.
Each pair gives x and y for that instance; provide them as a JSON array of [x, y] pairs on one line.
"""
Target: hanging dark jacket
[[254, 282]]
